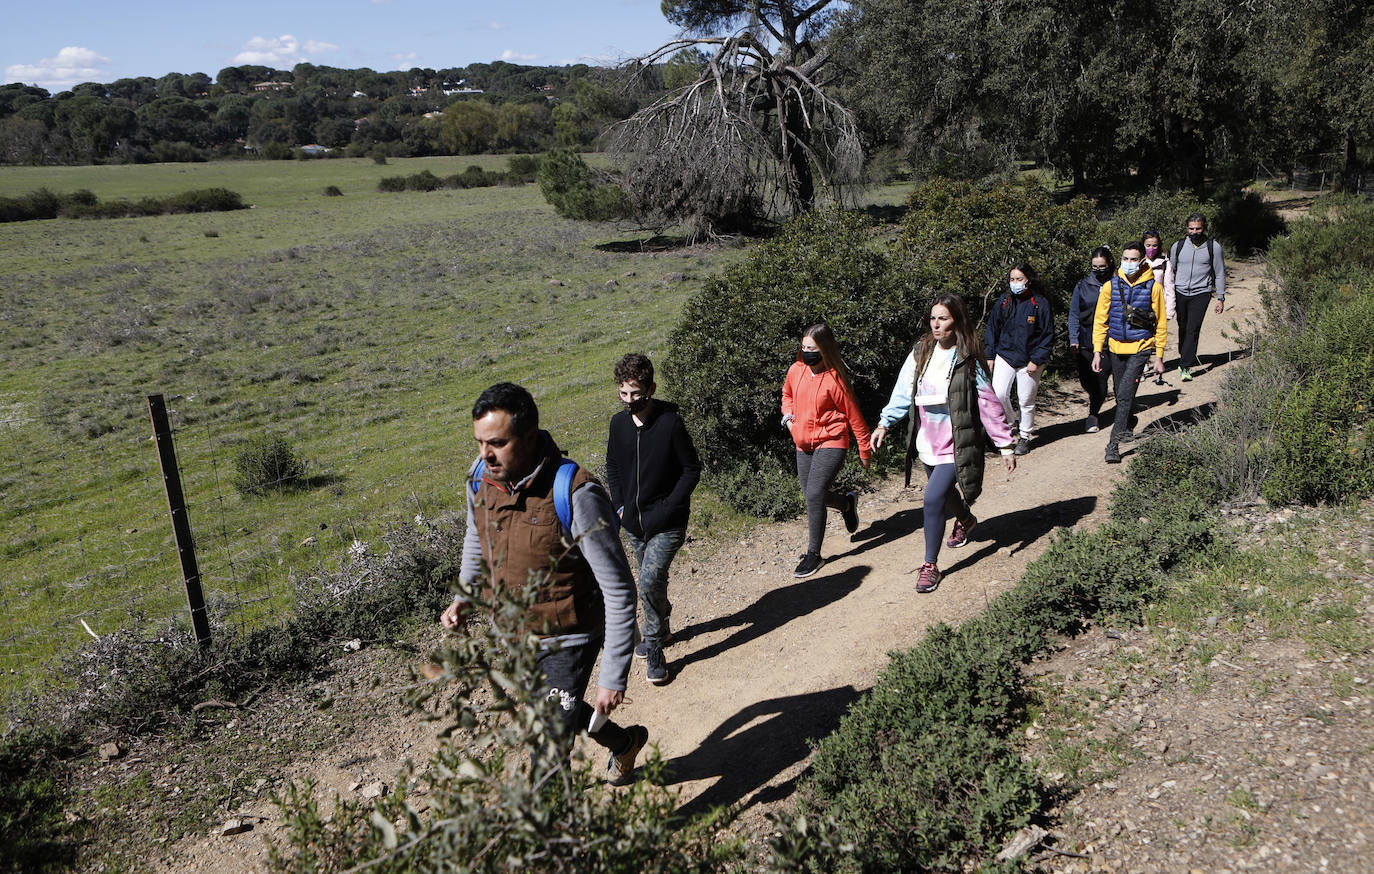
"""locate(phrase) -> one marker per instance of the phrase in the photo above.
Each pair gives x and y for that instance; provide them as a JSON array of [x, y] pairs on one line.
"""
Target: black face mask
[[638, 406], [1102, 273], [811, 359], [1198, 239]]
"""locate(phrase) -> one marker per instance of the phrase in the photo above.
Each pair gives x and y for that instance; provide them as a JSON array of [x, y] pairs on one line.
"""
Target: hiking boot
[[959, 536], [1113, 455], [850, 513], [1022, 446], [1091, 425], [620, 768], [656, 666], [1185, 374], [810, 563], [930, 578]]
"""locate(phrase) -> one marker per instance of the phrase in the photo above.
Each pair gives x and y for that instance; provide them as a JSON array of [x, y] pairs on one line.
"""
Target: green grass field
[[360, 327]]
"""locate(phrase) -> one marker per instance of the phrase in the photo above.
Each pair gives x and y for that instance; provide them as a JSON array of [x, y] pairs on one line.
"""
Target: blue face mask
[[1017, 287], [1130, 268]]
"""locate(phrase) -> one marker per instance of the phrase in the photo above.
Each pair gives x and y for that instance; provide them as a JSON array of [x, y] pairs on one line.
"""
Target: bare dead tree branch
[[748, 141]]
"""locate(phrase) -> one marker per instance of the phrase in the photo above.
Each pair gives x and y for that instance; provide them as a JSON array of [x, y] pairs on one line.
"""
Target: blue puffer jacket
[[1137, 295]]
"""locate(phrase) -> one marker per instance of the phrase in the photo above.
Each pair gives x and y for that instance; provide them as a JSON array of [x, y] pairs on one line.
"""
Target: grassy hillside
[[358, 327]]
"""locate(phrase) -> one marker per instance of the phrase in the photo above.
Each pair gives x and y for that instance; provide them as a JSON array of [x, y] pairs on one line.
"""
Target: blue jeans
[[653, 556]]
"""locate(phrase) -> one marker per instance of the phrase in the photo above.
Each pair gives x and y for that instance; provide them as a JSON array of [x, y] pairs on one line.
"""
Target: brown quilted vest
[[522, 545]]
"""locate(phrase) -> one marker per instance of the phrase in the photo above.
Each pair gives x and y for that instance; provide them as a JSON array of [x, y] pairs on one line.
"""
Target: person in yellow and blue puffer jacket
[[1130, 343]]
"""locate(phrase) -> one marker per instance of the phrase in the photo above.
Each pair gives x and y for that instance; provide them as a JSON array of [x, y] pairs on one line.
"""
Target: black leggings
[[1190, 310], [1095, 384]]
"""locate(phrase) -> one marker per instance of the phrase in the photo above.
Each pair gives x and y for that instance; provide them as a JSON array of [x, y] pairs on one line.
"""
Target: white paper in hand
[[597, 723]]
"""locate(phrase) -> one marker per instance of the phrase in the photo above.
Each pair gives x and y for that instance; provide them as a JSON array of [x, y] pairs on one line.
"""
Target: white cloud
[[405, 56], [498, 25], [70, 66], [282, 52], [512, 55]]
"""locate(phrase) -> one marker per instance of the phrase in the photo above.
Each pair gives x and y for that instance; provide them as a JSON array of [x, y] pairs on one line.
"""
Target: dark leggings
[[1095, 384], [1190, 309], [817, 470], [942, 502]]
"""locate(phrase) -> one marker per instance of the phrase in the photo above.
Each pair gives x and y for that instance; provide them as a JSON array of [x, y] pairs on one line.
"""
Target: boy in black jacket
[[651, 469]]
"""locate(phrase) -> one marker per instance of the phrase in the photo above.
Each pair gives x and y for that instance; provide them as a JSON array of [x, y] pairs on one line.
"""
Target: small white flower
[[358, 549]]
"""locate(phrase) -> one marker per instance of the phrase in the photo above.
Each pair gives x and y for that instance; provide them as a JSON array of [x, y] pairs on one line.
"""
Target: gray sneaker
[[642, 648], [620, 768]]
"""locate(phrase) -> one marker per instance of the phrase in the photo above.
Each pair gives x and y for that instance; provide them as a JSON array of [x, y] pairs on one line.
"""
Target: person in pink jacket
[[819, 410]]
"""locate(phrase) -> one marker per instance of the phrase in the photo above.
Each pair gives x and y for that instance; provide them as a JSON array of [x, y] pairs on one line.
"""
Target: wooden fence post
[[181, 525]]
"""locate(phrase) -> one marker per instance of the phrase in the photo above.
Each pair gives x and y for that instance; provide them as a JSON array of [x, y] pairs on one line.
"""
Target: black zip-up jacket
[[651, 470]]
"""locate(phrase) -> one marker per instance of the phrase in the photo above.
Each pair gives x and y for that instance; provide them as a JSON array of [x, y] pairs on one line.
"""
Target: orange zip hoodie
[[822, 412]]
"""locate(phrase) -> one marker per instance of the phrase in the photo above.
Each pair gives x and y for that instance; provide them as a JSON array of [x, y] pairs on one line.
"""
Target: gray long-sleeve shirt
[[1188, 274], [595, 530]]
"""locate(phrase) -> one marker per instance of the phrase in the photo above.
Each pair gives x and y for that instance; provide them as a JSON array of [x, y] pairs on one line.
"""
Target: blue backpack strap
[[562, 493], [477, 474]]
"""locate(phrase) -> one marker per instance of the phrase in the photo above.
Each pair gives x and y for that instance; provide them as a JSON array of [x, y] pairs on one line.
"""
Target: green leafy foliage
[[1245, 221], [1157, 209], [963, 239], [576, 191], [501, 792], [44, 204], [267, 463]]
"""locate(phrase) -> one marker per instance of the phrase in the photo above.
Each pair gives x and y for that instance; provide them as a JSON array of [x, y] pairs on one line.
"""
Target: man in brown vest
[[585, 595]]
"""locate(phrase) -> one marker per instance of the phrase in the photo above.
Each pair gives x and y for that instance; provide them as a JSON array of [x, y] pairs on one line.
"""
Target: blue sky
[[58, 44]]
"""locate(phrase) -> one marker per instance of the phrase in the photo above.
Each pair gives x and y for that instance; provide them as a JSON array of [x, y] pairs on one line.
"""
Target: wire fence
[[88, 539]]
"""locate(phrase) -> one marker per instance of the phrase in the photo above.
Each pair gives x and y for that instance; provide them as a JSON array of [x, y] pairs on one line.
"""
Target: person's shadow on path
[[772, 611], [1021, 528], [755, 745], [1025, 526]]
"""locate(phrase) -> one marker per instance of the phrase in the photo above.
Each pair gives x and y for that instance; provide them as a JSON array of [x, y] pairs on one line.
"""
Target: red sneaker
[[959, 536], [930, 578]]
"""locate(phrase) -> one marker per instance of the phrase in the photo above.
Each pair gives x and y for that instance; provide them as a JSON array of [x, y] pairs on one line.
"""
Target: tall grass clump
[[268, 463]]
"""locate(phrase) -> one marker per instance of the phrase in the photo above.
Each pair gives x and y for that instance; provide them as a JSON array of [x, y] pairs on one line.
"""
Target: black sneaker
[[656, 666], [1022, 446], [621, 767], [810, 563], [850, 513], [664, 639], [1113, 455]]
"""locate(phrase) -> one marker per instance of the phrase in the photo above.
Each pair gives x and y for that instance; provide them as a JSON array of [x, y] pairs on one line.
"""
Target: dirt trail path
[[762, 662]]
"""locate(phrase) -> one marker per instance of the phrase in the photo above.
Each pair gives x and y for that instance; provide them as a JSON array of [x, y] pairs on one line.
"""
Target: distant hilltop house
[[358, 94], [270, 86], [449, 92], [316, 149], [418, 91], [433, 114]]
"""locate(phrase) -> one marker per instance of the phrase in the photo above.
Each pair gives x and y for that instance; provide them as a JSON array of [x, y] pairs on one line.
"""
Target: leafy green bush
[[501, 793], [423, 181], [576, 191], [1324, 257], [522, 168], [391, 183], [1155, 210], [963, 239], [204, 200], [267, 463], [332, 191]]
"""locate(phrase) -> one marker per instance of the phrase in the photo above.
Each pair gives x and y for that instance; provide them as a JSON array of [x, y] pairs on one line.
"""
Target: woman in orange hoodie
[[819, 409]]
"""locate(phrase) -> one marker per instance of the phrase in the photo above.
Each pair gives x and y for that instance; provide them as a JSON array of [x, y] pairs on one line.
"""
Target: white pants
[[1027, 384]]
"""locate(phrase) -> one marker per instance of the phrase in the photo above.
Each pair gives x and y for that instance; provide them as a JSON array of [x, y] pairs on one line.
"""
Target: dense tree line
[[257, 110], [1167, 91]]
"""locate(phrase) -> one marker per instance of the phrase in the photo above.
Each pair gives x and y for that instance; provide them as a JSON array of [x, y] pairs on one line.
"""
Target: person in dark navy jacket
[[1018, 343]]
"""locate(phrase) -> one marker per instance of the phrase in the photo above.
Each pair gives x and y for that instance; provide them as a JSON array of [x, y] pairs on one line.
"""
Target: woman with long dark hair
[[1082, 311], [819, 410], [946, 388]]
